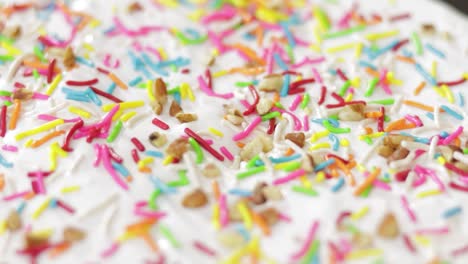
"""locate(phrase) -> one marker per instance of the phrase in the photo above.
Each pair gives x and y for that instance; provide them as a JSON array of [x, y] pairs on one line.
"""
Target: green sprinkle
[[344, 88], [188, 41], [6, 58], [7, 103], [388, 101], [465, 151], [38, 52], [344, 32], [322, 18], [152, 200], [279, 105], [174, 90], [387, 118], [314, 247], [304, 190], [417, 43], [292, 166], [169, 236], [36, 74], [198, 151], [368, 140], [115, 132], [366, 192], [250, 172], [183, 180], [270, 115], [251, 162], [335, 130], [142, 85], [290, 53], [243, 84], [5, 93], [334, 117], [352, 229], [372, 84], [305, 101], [6, 39]]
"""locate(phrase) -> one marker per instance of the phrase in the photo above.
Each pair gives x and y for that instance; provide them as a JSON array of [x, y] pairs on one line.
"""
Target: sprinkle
[[360, 213], [117, 81], [435, 51], [289, 177], [197, 149], [54, 84], [39, 129], [246, 216], [451, 212], [79, 111], [159, 123], [367, 182], [204, 144], [417, 43], [308, 242], [250, 172], [41, 208]]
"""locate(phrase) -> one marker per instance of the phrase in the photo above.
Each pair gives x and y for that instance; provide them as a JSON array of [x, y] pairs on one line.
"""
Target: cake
[[233, 132]]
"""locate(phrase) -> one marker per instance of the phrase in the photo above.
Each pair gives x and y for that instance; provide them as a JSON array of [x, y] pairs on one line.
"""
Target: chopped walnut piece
[[72, 234], [195, 199], [296, 138], [177, 148], [388, 227]]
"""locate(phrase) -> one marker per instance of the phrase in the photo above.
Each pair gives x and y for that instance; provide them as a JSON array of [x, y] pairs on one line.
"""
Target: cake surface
[[233, 132]]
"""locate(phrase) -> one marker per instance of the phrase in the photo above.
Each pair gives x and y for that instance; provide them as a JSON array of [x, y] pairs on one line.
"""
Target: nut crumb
[[195, 199]]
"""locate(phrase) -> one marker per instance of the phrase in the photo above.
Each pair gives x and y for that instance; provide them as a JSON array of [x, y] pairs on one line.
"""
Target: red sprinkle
[[101, 70], [19, 85], [296, 91], [203, 248], [452, 83], [341, 74], [75, 127], [271, 126], [299, 83], [65, 207], [138, 144], [3, 115], [159, 123], [381, 120], [114, 156], [50, 71], [106, 95], [323, 94], [256, 97], [400, 17], [400, 44], [204, 144], [409, 244], [83, 83], [135, 156]]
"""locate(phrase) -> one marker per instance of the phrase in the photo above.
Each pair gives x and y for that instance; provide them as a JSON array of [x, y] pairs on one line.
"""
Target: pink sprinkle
[[10, 148], [107, 165], [204, 87], [227, 153], [155, 52], [460, 251], [248, 129], [40, 96], [226, 13], [414, 119], [309, 239], [107, 63], [306, 123], [383, 82], [408, 243], [284, 218], [432, 175], [295, 103], [297, 121], [306, 60], [317, 76], [146, 214], [15, 196], [382, 185], [293, 175], [453, 136], [410, 212], [270, 60], [110, 251], [433, 231], [223, 212], [203, 248]]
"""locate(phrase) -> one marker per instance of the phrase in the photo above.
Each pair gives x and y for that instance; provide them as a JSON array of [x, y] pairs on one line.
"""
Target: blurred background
[[460, 4]]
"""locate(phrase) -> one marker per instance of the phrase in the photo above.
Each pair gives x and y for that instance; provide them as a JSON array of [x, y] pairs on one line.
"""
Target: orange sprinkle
[[150, 241], [347, 172], [419, 88], [145, 169], [44, 139], [59, 249], [351, 164], [260, 221], [369, 130], [418, 105], [14, 116], [144, 224], [117, 81], [38, 65], [2, 182], [259, 33], [240, 144], [29, 195], [216, 191], [457, 142], [249, 53], [400, 124], [405, 59], [333, 171], [367, 182], [129, 178], [276, 97], [289, 152], [248, 70], [372, 72], [374, 114]]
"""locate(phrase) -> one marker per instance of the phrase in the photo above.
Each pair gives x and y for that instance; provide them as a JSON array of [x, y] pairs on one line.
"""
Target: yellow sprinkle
[[358, 50], [320, 146], [220, 73], [340, 48], [215, 216], [3, 227], [163, 53], [215, 132], [441, 160], [55, 150], [124, 105], [70, 189], [42, 31], [349, 97], [381, 35], [94, 23], [169, 3], [42, 234], [39, 129], [244, 211], [364, 253], [422, 240], [448, 93], [320, 177], [439, 91], [145, 161], [434, 69], [317, 36], [127, 116], [167, 160], [188, 90], [196, 15], [361, 168], [392, 171], [41, 208], [465, 75], [235, 257], [88, 46], [427, 193], [10, 49], [268, 15], [282, 165], [305, 181], [183, 92], [359, 214], [54, 84], [29, 143], [319, 135], [344, 142], [149, 90], [356, 82], [79, 111], [117, 115]]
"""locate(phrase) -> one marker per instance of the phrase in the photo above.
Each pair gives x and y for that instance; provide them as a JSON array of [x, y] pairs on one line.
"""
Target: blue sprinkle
[[21, 207], [335, 141], [425, 74], [407, 53], [69, 91], [444, 134], [121, 169], [285, 159], [417, 139], [177, 97], [155, 154], [285, 88], [332, 72], [243, 232], [435, 51], [109, 30], [240, 192], [135, 81], [78, 98], [383, 50], [430, 115], [162, 186], [451, 112], [288, 34], [452, 212], [84, 61], [93, 97], [280, 62], [248, 36], [338, 185], [461, 100], [111, 88], [154, 66], [137, 62], [193, 33], [5, 163], [367, 64], [324, 164], [53, 203]]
